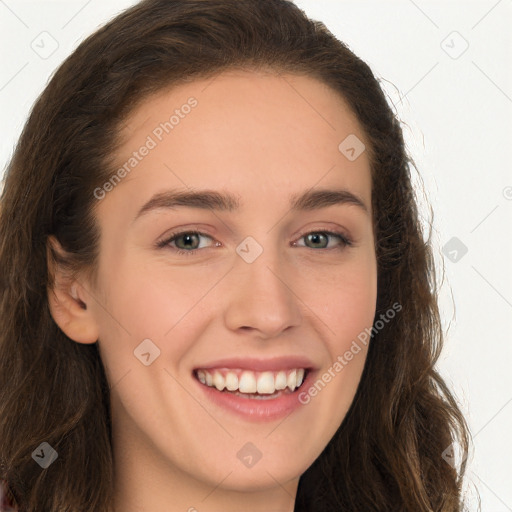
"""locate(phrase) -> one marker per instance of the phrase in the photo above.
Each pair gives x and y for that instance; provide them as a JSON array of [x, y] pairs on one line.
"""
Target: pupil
[[315, 237], [188, 239]]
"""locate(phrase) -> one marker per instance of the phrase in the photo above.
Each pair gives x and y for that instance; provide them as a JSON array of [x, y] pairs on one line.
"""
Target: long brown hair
[[388, 452]]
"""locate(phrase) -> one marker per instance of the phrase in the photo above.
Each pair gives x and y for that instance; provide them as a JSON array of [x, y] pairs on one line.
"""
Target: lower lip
[[255, 409]]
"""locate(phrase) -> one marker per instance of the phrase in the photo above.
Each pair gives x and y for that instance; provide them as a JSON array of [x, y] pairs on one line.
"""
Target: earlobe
[[67, 307]]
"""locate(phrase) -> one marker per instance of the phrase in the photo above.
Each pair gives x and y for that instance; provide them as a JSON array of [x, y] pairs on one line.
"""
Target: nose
[[261, 297]]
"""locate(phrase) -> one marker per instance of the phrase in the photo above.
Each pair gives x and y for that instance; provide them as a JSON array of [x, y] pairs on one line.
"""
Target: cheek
[[344, 297], [347, 310], [345, 302], [353, 310], [151, 300], [139, 303]]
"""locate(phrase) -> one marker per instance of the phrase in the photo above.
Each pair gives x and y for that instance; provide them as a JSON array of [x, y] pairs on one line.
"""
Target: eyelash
[[345, 241]]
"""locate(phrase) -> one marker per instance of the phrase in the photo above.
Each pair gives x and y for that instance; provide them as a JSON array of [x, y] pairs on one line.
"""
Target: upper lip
[[261, 365]]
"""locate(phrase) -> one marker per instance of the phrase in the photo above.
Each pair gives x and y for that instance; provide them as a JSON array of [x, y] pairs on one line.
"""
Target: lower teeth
[[255, 396]]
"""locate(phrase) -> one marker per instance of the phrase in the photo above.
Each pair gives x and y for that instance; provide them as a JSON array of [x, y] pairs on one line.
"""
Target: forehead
[[241, 130]]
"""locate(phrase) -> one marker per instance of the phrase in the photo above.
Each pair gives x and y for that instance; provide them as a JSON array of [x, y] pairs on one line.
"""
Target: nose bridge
[[260, 293]]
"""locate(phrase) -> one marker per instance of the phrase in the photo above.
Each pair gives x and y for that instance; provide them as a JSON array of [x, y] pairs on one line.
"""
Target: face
[[240, 290]]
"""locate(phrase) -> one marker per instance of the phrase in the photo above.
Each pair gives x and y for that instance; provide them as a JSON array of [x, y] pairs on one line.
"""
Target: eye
[[319, 239], [186, 242]]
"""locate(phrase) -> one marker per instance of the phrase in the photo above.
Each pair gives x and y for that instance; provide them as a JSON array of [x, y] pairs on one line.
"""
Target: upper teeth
[[247, 381]]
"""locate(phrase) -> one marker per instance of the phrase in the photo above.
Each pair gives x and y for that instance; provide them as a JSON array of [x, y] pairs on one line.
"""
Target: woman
[[260, 370]]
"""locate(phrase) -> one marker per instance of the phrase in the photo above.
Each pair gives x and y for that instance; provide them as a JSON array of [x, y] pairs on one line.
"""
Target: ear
[[67, 300]]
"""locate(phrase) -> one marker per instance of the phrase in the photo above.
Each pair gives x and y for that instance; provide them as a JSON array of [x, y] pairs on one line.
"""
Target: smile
[[250, 382], [254, 395]]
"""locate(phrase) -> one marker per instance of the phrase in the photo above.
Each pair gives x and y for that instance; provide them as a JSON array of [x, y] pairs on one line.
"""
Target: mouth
[[255, 385], [257, 390]]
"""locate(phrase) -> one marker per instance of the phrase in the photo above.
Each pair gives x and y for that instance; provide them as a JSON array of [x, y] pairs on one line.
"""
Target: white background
[[457, 120]]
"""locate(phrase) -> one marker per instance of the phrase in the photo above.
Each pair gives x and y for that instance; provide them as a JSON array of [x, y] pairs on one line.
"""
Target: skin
[[261, 137]]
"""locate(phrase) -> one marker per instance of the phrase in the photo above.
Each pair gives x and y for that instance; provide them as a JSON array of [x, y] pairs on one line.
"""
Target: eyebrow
[[224, 201]]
